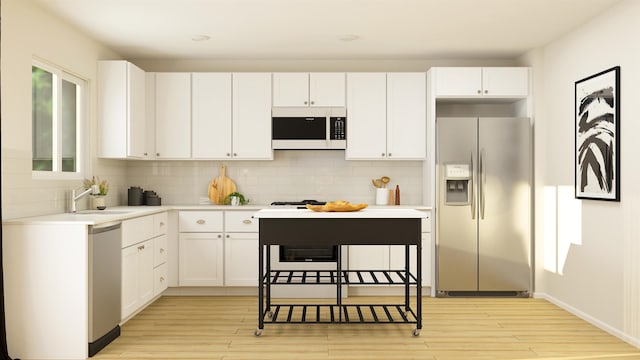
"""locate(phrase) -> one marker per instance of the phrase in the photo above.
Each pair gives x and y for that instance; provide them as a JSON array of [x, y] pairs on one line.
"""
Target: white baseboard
[[590, 319]]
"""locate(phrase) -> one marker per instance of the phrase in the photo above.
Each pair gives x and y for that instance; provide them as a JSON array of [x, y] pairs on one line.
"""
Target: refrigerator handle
[[481, 183], [473, 194]]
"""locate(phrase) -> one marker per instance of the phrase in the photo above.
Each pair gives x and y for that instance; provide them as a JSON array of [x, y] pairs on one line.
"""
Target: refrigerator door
[[504, 198], [457, 265]]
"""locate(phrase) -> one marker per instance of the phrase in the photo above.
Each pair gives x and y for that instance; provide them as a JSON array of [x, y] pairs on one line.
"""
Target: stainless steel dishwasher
[[105, 268]]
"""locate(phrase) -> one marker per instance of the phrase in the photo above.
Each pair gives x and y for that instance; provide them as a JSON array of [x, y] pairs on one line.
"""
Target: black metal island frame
[[364, 227]]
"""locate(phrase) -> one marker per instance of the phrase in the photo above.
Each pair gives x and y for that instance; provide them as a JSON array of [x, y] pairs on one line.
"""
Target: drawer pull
[[246, 221], [161, 278], [161, 250], [228, 236], [161, 223], [219, 236], [200, 222]]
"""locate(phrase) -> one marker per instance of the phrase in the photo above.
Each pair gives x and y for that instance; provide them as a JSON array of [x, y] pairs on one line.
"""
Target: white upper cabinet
[[252, 116], [386, 116], [406, 116], [121, 110], [309, 89], [173, 115], [471, 82], [366, 116], [211, 116]]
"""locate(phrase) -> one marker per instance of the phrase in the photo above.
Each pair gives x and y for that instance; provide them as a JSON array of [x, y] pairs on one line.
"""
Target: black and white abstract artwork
[[597, 167]]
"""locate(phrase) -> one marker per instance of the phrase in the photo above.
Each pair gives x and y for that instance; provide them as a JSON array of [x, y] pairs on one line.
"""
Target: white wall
[[29, 32], [587, 252]]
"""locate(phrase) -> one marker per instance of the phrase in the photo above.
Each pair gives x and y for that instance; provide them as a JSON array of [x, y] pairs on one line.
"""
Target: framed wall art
[[597, 143]]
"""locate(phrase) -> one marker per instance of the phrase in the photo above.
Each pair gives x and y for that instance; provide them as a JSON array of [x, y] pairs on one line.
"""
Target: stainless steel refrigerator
[[483, 208]]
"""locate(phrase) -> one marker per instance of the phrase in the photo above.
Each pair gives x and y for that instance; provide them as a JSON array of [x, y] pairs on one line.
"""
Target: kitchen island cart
[[364, 227]]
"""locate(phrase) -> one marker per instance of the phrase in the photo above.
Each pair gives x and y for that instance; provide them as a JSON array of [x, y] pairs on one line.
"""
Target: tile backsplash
[[292, 175]]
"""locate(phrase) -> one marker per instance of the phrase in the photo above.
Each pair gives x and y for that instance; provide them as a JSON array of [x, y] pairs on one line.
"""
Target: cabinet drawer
[[240, 221], [137, 230], [160, 224], [160, 279], [160, 246], [200, 221]]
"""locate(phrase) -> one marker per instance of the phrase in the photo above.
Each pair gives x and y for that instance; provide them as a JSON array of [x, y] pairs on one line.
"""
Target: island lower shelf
[[332, 313]]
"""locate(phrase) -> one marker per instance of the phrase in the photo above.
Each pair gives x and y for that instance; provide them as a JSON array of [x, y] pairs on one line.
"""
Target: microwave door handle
[[328, 130]]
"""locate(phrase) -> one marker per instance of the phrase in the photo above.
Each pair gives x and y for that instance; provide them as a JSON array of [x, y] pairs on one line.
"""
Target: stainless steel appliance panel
[[504, 175], [105, 284], [457, 246], [483, 243]]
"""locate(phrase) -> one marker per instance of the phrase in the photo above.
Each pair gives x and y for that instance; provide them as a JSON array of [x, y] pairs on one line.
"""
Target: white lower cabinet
[[200, 259], [137, 276], [241, 259], [392, 257], [218, 248], [144, 256]]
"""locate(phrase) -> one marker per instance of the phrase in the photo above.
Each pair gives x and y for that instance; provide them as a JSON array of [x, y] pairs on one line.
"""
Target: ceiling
[[325, 29]]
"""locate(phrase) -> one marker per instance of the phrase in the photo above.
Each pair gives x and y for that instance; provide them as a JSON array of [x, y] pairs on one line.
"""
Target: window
[[57, 112]]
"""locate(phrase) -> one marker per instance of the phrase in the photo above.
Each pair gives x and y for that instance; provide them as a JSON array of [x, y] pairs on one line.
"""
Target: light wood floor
[[223, 328]]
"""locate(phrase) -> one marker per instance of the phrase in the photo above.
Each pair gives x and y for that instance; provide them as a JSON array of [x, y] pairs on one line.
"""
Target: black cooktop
[[303, 202]]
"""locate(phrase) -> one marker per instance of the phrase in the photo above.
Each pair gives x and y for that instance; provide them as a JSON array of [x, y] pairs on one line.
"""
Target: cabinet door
[[252, 116], [505, 81], [241, 259], [145, 271], [366, 123], [368, 257], [136, 139], [173, 115], [200, 259], [130, 265], [406, 116], [150, 116], [458, 81], [327, 89], [121, 110], [291, 89], [211, 115]]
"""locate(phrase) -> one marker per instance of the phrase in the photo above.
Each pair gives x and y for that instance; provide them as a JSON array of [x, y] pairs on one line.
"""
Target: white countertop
[[120, 213], [378, 213]]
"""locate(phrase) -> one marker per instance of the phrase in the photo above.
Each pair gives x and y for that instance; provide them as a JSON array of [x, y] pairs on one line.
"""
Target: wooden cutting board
[[221, 187]]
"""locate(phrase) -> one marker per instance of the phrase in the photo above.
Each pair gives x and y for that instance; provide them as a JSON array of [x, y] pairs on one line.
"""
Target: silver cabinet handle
[[141, 247], [145, 154], [383, 154], [200, 222], [246, 221], [389, 154], [161, 278], [479, 91], [157, 154], [161, 223], [306, 102], [313, 102], [228, 236], [235, 154], [161, 250], [219, 236], [486, 91], [228, 154]]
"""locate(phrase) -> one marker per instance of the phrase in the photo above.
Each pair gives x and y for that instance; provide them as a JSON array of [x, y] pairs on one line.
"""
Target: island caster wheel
[[416, 332], [270, 314], [258, 332]]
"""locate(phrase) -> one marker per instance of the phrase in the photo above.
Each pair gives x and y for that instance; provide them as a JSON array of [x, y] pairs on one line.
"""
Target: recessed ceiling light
[[201, 37], [348, 37]]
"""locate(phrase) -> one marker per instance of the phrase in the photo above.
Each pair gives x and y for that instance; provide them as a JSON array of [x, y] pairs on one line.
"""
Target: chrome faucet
[[93, 190]]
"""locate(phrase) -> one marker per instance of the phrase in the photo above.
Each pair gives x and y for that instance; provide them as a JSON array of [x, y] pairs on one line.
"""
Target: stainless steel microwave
[[308, 128]]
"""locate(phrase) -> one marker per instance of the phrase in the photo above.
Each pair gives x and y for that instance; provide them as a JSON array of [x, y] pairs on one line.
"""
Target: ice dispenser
[[457, 179]]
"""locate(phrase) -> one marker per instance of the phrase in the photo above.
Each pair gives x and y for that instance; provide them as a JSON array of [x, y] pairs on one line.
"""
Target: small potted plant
[[98, 200], [235, 199]]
